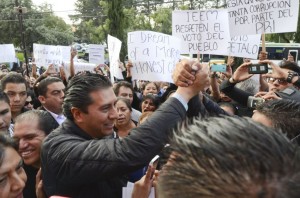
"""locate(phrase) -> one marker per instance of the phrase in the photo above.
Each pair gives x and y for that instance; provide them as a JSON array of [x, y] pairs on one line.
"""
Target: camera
[[258, 69], [253, 102], [218, 68]]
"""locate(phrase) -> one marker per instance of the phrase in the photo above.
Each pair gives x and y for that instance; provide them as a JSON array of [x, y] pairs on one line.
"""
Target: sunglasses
[[28, 102], [280, 81]]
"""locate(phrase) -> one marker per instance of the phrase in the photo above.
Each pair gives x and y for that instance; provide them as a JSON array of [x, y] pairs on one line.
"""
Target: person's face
[[124, 113], [5, 116], [278, 84], [148, 105], [101, 115], [31, 82], [29, 103], [150, 88], [54, 97], [261, 118], [12, 175], [125, 92], [17, 95], [30, 139]]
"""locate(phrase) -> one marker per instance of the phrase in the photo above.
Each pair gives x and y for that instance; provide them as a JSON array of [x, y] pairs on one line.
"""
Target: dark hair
[[4, 97], [13, 77], [126, 101], [291, 66], [155, 100], [79, 89], [147, 83], [230, 157], [122, 84], [230, 105], [6, 141], [45, 121], [42, 87], [284, 114]]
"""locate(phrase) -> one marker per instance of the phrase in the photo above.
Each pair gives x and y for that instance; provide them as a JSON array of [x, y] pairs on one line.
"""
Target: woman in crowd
[[12, 174], [150, 88], [150, 103], [124, 123]]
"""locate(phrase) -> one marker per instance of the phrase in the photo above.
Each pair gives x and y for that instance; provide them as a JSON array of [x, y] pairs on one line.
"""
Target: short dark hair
[[126, 101], [122, 84], [79, 89], [42, 87], [5, 142], [4, 97], [284, 114], [13, 77], [291, 66], [46, 122], [231, 157]]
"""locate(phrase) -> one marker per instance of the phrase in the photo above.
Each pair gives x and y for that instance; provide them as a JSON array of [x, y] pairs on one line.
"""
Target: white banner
[[154, 55], [201, 31], [7, 53], [96, 54], [114, 48], [262, 16], [246, 46], [78, 67], [49, 54]]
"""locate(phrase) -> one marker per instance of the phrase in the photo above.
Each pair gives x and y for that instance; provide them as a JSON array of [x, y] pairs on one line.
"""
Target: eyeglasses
[[280, 81], [28, 102]]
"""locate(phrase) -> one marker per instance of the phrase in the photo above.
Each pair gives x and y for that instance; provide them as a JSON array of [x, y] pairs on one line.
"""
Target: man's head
[[30, 130], [124, 89], [231, 158], [15, 86], [281, 84], [51, 94], [5, 114], [280, 114], [90, 103]]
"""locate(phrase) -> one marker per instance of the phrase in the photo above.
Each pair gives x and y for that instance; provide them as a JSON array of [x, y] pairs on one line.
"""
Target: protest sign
[[246, 46], [153, 55], [202, 31], [49, 54], [114, 48], [7, 53], [96, 54], [78, 67], [247, 17]]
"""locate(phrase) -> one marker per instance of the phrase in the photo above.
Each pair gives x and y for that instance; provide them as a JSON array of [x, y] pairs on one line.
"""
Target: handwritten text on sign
[[49, 54], [246, 46], [154, 55], [7, 53], [96, 54], [201, 31], [248, 17]]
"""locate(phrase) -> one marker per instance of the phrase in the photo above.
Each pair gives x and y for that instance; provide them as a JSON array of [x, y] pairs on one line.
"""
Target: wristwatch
[[232, 81], [291, 75]]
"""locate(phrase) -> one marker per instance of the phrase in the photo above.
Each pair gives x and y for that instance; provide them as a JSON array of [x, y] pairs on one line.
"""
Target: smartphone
[[218, 68], [258, 69], [154, 163], [294, 53]]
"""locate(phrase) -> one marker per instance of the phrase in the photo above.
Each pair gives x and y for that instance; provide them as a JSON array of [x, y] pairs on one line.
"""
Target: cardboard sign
[[49, 54], [96, 54], [262, 16], [154, 55], [202, 31], [78, 67], [114, 48], [246, 46], [7, 53]]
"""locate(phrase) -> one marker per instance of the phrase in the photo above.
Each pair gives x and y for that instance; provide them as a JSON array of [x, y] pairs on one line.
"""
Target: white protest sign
[[49, 54], [114, 48], [247, 17], [96, 54], [246, 46], [154, 55], [78, 67], [201, 31], [7, 53]]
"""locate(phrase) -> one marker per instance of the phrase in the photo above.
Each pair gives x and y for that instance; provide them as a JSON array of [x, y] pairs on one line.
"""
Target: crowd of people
[[218, 134]]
